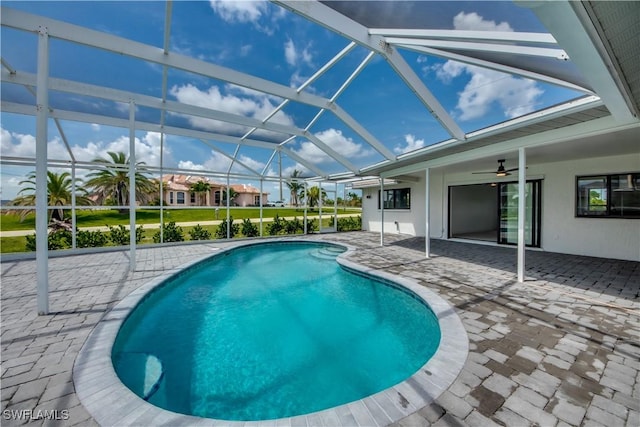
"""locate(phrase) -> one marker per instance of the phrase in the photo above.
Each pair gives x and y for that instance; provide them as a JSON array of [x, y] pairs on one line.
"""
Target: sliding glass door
[[508, 213]]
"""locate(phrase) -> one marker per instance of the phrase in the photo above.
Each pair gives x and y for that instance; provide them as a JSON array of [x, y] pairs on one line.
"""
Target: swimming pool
[[269, 331], [110, 402]]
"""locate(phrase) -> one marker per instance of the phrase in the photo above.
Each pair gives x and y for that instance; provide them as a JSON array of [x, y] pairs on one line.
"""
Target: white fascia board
[[339, 23], [482, 47], [570, 25], [119, 45], [532, 118], [491, 36], [591, 128], [497, 67]]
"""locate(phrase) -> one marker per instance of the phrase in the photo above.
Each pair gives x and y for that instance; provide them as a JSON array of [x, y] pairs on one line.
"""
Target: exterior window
[[612, 196], [180, 197], [217, 197], [256, 200], [192, 198], [398, 198], [170, 197]]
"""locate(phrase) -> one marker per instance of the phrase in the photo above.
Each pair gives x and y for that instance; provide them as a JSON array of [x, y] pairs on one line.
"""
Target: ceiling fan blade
[[477, 173], [511, 170]]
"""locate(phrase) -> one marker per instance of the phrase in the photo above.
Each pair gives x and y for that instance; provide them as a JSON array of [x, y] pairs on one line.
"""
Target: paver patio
[[563, 348]]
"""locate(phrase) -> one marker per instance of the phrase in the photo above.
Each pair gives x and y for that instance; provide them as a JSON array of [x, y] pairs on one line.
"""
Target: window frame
[[178, 194], [607, 213], [396, 198]]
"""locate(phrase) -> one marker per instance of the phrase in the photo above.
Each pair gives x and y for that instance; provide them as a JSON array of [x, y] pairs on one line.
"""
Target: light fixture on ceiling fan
[[501, 171]]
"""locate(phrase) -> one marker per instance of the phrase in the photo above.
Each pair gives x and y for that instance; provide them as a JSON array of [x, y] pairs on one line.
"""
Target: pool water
[[270, 331]]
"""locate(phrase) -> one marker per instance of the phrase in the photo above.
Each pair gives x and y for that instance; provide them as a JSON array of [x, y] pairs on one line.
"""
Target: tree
[[112, 182], [232, 195], [313, 195], [201, 188], [354, 200], [59, 193], [295, 187]]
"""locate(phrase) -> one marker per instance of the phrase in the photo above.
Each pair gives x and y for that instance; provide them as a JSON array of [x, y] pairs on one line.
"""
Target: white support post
[[305, 209], [320, 207], [132, 186], [73, 205], [381, 201], [161, 188], [280, 172], [335, 208], [427, 216], [261, 184], [522, 182], [42, 200], [228, 207]]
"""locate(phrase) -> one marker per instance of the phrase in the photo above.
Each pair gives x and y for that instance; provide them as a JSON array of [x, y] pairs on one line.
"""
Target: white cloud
[[296, 56], [240, 101], [473, 21], [147, 148], [290, 54], [218, 162], [13, 144], [239, 11], [337, 141], [256, 12], [95, 127], [245, 49], [411, 144], [515, 96], [486, 88]]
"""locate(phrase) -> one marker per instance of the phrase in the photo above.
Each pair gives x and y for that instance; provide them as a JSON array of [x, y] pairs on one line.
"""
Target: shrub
[[120, 236], [294, 226], [170, 233], [90, 239], [276, 226], [199, 233], [350, 223], [249, 229], [312, 226], [59, 239], [221, 231]]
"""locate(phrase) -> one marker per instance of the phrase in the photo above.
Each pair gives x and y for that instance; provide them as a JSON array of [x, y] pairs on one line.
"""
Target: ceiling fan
[[501, 171]]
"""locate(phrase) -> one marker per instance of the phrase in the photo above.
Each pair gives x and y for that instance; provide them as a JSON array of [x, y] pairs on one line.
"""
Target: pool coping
[[110, 402]]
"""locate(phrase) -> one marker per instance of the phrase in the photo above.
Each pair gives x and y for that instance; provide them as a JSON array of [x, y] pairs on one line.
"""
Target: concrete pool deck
[[560, 349]]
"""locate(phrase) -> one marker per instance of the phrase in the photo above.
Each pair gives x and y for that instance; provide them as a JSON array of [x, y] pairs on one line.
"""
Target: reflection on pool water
[[269, 331]]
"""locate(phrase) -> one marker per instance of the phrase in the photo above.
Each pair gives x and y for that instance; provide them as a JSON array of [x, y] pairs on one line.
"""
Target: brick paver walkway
[[563, 348]]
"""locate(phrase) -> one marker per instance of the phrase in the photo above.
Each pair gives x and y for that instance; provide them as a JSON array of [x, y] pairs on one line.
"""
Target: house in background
[[177, 191]]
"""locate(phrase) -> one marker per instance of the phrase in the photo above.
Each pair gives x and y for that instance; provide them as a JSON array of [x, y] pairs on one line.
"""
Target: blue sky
[[263, 40]]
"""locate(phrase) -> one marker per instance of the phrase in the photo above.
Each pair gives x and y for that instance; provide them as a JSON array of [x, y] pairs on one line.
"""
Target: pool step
[[144, 368], [326, 253]]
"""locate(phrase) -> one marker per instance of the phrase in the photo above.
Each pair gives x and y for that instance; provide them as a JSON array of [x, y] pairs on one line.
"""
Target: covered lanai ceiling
[[334, 89]]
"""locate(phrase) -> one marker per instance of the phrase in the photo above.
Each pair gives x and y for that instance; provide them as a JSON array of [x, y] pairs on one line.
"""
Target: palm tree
[[313, 195], [59, 193], [232, 195], [112, 182], [201, 188], [295, 187]]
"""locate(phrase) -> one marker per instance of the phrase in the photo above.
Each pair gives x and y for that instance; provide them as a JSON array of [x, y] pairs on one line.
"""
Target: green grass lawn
[[18, 244], [95, 218]]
